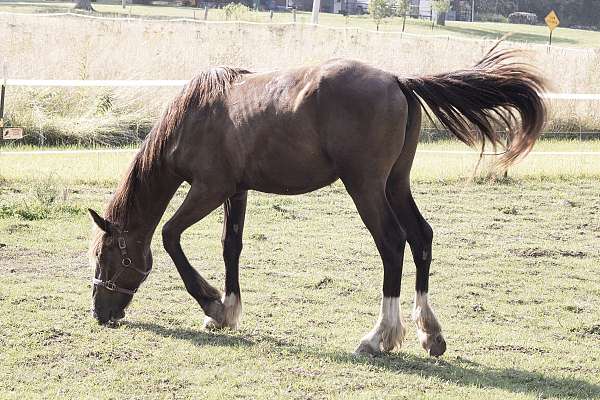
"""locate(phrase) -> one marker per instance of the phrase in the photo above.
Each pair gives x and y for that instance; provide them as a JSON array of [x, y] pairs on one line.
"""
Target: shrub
[[235, 11], [487, 17], [522, 18], [379, 9]]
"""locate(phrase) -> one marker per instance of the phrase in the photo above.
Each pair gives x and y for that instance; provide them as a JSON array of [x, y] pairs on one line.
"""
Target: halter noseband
[[126, 264]]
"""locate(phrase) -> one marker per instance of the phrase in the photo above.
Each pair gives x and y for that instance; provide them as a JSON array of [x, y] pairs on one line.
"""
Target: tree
[[84, 5], [379, 9], [402, 7], [235, 11], [440, 7]]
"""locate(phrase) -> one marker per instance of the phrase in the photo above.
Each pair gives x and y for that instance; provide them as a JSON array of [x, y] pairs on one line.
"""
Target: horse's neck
[[153, 197]]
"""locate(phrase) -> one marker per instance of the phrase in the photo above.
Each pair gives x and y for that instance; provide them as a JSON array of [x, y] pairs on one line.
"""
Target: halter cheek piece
[[126, 264]]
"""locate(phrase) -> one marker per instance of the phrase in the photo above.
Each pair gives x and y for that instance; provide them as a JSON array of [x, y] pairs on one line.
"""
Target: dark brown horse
[[292, 132]]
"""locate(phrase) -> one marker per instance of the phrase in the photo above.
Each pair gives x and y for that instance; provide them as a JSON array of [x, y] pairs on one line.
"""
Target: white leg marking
[[429, 330], [389, 330], [232, 313]]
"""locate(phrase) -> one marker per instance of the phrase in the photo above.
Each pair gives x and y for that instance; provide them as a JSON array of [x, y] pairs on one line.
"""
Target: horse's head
[[121, 263]]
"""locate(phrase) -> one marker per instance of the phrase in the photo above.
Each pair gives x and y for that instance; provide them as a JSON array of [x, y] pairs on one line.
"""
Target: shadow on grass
[[467, 373], [197, 337], [460, 371]]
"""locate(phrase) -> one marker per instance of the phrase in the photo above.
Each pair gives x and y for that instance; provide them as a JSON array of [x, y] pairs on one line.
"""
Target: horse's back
[[294, 131]]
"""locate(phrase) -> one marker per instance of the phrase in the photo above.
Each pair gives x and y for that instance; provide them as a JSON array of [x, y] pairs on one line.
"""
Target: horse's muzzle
[[105, 317]]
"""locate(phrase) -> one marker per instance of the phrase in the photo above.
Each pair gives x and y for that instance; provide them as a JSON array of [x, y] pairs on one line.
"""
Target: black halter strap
[[126, 264]]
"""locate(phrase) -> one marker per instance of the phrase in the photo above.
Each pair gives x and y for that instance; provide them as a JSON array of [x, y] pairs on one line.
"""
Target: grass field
[[514, 282], [479, 30], [429, 165]]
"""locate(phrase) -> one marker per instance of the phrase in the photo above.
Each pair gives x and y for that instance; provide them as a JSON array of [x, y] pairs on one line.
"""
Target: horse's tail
[[486, 97]]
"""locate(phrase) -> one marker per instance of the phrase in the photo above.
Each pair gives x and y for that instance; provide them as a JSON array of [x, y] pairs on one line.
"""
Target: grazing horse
[[292, 132]]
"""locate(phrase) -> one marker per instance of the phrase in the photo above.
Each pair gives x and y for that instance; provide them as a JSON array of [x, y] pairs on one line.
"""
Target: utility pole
[[315, 11], [473, 11]]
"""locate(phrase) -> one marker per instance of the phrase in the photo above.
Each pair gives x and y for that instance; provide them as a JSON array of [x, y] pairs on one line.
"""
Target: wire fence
[[427, 135]]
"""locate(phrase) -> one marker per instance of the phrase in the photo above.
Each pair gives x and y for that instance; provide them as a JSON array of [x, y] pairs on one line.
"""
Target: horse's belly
[[292, 170]]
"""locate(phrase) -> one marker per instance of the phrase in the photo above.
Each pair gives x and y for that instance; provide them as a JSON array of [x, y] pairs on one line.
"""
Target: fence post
[[507, 146], [205, 12], [2, 91], [315, 11]]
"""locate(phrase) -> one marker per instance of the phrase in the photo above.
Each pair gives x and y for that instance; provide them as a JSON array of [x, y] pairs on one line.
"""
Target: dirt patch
[[593, 331], [17, 228], [323, 283], [20, 260], [535, 252], [516, 348]]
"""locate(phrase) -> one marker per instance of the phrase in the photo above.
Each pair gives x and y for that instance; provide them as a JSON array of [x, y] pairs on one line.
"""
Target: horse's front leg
[[234, 211], [198, 203]]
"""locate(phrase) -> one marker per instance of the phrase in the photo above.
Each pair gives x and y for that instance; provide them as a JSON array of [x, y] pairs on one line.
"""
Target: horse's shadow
[[459, 371], [197, 337]]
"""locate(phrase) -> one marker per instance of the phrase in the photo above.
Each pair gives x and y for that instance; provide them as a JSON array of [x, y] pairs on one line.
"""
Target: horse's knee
[[170, 237]]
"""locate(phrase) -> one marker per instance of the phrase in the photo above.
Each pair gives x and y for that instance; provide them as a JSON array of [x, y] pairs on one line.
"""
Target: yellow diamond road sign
[[552, 20]]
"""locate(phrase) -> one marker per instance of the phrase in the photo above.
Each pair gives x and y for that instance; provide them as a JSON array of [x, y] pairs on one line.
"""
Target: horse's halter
[[126, 264]]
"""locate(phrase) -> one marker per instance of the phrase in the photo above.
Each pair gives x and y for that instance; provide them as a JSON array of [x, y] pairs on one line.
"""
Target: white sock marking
[[389, 329]]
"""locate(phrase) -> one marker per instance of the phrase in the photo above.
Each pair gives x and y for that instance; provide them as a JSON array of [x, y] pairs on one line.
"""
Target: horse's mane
[[202, 91]]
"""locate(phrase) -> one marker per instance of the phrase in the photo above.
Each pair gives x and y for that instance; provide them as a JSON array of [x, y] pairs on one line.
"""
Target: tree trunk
[[83, 5], [440, 18]]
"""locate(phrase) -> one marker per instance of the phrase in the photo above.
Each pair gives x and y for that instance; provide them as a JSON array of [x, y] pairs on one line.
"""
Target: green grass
[[479, 30], [92, 167], [514, 282]]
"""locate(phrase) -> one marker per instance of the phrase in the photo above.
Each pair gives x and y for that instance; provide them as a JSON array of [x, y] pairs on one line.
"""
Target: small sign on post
[[552, 21], [7, 133], [12, 133]]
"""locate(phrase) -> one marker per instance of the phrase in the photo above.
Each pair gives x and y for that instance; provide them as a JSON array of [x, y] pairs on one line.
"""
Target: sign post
[[7, 133], [552, 21]]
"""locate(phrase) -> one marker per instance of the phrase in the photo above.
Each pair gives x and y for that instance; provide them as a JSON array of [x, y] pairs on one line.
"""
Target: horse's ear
[[101, 222]]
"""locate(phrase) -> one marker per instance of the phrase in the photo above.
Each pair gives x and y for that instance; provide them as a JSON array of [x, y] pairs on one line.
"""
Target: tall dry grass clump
[[69, 47]]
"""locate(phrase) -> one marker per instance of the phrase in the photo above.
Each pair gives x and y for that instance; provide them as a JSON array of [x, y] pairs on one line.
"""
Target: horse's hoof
[[438, 347], [211, 325], [365, 349], [215, 315]]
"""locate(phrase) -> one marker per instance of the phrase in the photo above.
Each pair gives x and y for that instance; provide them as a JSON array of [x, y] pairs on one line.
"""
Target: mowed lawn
[[514, 281], [479, 30]]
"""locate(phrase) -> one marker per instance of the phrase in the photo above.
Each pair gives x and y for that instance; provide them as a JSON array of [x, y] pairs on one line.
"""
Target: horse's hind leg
[[234, 212], [419, 237], [390, 239], [198, 203]]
